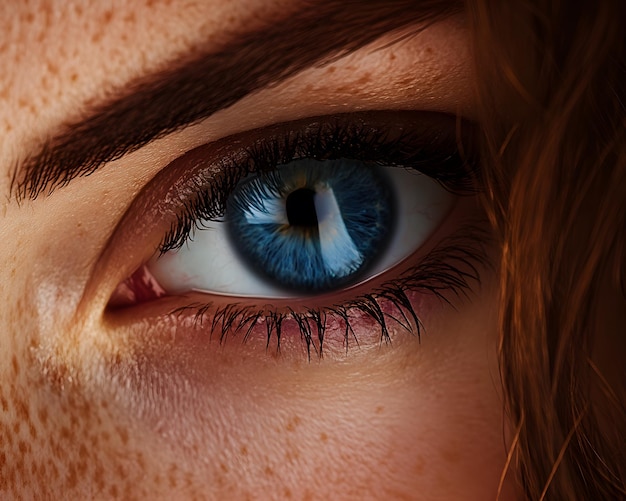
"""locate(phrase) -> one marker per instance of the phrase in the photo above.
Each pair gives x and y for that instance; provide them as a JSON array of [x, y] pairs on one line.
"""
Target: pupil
[[301, 208]]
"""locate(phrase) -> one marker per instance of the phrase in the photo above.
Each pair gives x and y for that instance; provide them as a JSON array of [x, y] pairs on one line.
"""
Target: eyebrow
[[206, 81]]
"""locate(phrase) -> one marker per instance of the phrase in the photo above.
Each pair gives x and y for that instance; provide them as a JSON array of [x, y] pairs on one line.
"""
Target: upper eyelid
[[211, 82], [401, 138]]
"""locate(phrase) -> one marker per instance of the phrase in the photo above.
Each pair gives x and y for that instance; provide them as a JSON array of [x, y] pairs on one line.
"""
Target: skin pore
[[94, 407]]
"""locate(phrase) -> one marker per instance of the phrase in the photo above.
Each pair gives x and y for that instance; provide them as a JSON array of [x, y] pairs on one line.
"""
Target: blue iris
[[312, 226]]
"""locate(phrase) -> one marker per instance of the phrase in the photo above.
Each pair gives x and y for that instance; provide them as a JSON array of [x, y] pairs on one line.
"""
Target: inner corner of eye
[[139, 288]]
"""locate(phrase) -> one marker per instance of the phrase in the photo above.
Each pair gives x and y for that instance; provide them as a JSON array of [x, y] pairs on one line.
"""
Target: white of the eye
[[210, 263]]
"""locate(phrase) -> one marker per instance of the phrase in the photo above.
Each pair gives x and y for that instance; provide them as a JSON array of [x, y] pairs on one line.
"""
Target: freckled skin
[[413, 421]]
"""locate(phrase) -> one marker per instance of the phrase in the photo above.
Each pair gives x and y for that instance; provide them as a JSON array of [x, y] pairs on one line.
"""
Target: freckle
[[94, 441], [107, 16], [113, 491], [123, 433], [269, 472], [4, 403], [9, 439], [364, 79], [224, 468], [52, 68], [172, 480], [43, 415], [379, 409], [323, 437], [57, 451], [451, 455], [128, 491], [172, 475], [19, 466], [54, 470], [293, 423], [65, 433], [287, 493], [24, 447], [243, 450], [419, 466], [392, 57], [73, 77], [32, 430], [82, 468], [429, 50], [188, 480], [292, 456], [82, 452], [16, 427], [98, 477], [14, 363], [72, 477], [10, 477], [121, 472]]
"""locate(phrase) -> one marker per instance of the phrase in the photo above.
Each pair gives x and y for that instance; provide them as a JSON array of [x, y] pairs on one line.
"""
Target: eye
[[335, 219], [308, 227]]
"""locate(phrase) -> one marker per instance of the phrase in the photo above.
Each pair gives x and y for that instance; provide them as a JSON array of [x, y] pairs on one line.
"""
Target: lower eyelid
[[404, 302]]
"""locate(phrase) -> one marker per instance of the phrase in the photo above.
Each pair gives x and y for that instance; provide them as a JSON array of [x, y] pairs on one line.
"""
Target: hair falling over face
[[556, 192]]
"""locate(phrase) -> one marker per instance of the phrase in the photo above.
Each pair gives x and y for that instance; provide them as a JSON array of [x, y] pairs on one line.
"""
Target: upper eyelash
[[331, 140], [450, 268]]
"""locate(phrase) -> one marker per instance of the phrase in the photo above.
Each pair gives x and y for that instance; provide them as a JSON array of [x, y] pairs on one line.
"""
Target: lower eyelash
[[448, 270]]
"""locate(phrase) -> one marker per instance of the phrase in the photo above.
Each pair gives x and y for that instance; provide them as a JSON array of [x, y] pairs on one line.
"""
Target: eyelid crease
[[199, 85]]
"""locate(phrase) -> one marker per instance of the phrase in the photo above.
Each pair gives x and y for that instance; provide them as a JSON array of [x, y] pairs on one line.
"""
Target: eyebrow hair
[[207, 81]]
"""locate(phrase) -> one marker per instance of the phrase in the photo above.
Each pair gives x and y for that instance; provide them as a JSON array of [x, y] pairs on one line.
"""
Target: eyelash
[[448, 269], [332, 140]]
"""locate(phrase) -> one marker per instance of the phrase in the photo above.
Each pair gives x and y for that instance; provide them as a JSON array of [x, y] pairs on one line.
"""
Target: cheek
[[415, 420]]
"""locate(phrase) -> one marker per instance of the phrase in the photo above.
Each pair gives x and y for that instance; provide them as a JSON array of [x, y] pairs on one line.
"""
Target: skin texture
[[88, 411]]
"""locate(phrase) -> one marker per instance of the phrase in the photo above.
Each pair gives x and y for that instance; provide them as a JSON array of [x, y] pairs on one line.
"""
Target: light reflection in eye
[[307, 227]]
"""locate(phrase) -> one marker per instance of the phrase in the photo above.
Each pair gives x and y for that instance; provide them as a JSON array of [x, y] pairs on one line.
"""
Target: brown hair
[[552, 81]]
